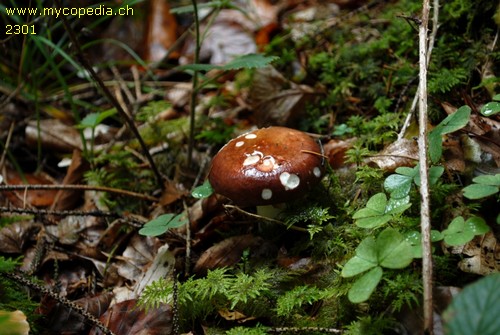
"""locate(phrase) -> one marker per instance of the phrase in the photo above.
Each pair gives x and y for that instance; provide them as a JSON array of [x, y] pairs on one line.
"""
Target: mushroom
[[267, 166]]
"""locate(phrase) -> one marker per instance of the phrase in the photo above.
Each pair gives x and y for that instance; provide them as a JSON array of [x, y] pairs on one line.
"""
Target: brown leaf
[[335, 151], [36, 198], [66, 199], [53, 135], [60, 319], [485, 255], [403, 152], [229, 35], [226, 253], [126, 318], [14, 236], [139, 253], [276, 100], [160, 33]]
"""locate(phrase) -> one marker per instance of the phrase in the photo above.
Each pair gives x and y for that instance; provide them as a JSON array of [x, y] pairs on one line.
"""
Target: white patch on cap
[[253, 158], [317, 172], [289, 180], [250, 136], [239, 144], [266, 194]]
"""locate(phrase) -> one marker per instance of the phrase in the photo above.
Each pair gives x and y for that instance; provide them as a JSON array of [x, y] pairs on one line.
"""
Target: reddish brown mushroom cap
[[266, 166]]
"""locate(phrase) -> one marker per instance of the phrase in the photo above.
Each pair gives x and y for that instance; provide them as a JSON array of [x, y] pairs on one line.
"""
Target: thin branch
[[194, 90], [425, 220], [96, 213], [129, 121], [265, 218], [4, 188], [430, 47]]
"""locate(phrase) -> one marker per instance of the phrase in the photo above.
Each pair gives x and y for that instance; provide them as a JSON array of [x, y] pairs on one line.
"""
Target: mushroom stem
[[270, 211]]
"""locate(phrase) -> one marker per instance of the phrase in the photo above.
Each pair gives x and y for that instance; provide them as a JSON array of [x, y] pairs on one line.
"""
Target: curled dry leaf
[[53, 135], [66, 199], [36, 198], [403, 152], [127, 318], [275, 100], [484, 252], [226, 253], [63, 320], [139, 253], [335, 151], [160, 33], [226, 38], [15, 235], [163, 264]]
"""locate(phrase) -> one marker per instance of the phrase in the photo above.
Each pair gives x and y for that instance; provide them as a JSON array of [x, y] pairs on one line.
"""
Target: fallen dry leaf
[[275, 100], [403, 152], [36, 198], [335, 151], [226, 253], [160, 33], [128, 318], [53, 135], [66, 199], [484, 252]]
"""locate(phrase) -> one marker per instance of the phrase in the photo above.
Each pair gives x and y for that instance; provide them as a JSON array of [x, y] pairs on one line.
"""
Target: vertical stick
[[194, 90], [424, 174]]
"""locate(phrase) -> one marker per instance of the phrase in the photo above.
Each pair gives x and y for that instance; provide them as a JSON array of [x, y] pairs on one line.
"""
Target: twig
[[194, 90], [304, 330], [110, 97], [430, 47], [7, 143], [4, 188], [133, 222], [425, 220], [264, 218]]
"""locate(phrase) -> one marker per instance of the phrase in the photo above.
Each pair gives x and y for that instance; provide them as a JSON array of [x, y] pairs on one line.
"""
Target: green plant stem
[[129, 121], [424, 172], [194, 90]]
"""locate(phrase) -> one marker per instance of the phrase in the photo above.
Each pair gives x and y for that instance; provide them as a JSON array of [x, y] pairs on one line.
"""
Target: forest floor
[[109, 124]]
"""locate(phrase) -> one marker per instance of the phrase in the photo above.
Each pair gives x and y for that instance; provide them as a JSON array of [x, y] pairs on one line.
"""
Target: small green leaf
[[454, 121], [163, 223], [475, 310], [398, 185], [414, 240], [393, 251], [491, 108], [493, 180], [478, 191], [365, 258], [374, 214], [451, 123], [364, 286], [92, 120], [460, 232], [250, 61], [203, 191], [397, 206], [476, 225], [407, 171], [435, 146], [435, 172], [496, 97]]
